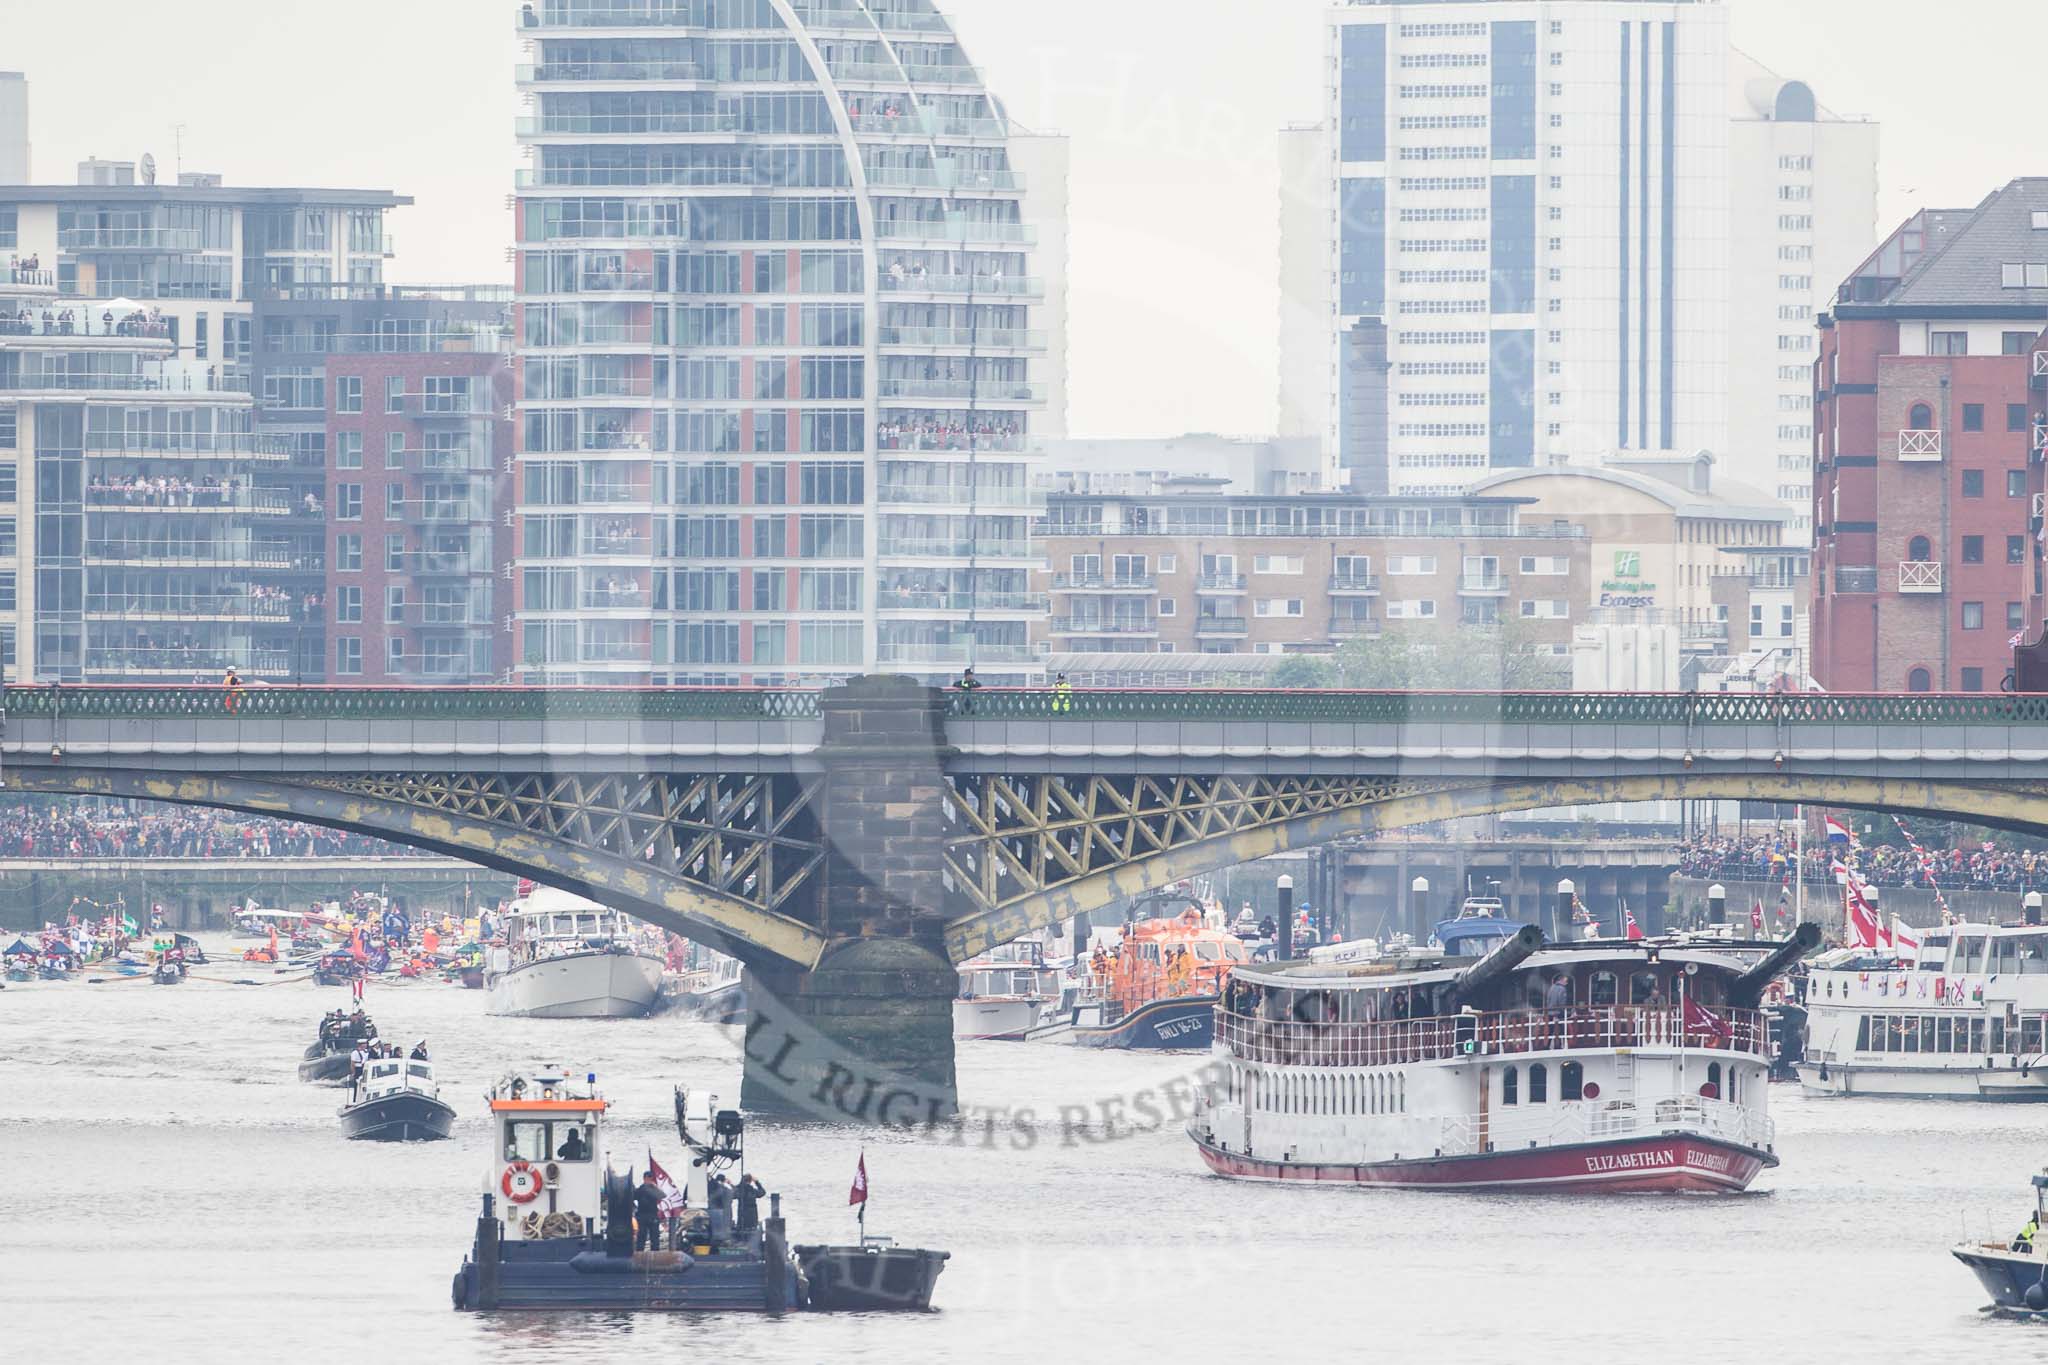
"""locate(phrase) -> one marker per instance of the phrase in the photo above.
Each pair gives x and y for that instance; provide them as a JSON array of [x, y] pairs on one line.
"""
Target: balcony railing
[[270, 500], [993, 286], [1482, 583], [1856, 579], [1354, 583], [1919, 445], [1221, 582], [906, 599], [615, 546], [961, 497], [987, 442], [86, 324], [155, 606], [896, 653], [1223, 625], [1095, 582], [1507, 1033], [926, 547], [1091, 625], [607, 72], [1570, 1122], [1919, 576], [1354, 627], [940, 230], [887, 73], [962, 390], [981, 338]]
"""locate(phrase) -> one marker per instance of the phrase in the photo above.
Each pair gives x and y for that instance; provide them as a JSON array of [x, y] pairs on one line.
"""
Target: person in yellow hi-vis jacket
[[1062, 694]]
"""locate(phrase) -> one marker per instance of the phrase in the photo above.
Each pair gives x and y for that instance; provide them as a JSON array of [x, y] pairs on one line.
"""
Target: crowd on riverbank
[[31, 832], [1769, 858]]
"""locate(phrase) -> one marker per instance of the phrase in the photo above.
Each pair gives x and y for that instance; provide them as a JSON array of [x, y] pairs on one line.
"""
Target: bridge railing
[[1502, 708], [215, 702]]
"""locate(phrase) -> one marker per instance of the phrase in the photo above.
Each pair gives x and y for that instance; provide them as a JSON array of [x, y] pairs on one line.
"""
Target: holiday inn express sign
[[1626, 588]]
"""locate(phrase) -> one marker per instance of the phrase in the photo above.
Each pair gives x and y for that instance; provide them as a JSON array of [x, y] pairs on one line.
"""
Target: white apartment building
[[1803, 216], [786, 343], [1531, 197]]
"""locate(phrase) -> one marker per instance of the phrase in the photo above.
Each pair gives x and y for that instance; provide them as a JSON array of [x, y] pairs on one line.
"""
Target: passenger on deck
[[750, 1194], [2025, 1240], [419, 1050], [718, 1202], [572, 1148]]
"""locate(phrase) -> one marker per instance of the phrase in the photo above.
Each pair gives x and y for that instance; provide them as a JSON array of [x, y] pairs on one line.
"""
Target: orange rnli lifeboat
[[1158, 989]]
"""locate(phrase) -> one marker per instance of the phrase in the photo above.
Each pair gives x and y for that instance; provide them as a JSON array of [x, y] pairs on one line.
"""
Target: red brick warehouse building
[[418, 494], [1928, 431]]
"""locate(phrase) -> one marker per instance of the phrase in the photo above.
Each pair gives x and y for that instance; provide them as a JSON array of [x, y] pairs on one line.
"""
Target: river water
[[176, 1194]]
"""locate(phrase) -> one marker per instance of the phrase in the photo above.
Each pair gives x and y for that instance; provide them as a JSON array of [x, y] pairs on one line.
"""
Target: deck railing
[[1399, 1042], [116, 702]]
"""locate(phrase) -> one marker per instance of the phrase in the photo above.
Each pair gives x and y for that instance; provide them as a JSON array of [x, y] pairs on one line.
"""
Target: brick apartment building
[[1928, 405], [1217, 573], [417, 582]]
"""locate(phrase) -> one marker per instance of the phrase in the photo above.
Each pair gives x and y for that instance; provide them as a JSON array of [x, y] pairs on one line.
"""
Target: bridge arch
[[757, 936], [2020, 807]]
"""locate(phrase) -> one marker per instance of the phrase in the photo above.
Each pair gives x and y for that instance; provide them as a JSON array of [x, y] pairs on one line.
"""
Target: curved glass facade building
[[780, 350]]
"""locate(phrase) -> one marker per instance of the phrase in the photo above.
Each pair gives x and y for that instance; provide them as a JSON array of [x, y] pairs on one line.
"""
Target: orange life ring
[[522, 1183]]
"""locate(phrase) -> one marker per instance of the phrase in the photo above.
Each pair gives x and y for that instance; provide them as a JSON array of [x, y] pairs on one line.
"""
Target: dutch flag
[[1838, 833]]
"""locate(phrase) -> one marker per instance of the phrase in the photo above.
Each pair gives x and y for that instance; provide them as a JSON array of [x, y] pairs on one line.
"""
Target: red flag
[[860, 1183], [673, 1200], [1864, 930], [1701, 1020], [1756, 917], [1629, 927]]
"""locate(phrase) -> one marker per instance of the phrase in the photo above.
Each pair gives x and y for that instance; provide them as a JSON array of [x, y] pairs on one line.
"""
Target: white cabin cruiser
[[1965, 1019], [395, 1099], [565, 957], [1005, 993]]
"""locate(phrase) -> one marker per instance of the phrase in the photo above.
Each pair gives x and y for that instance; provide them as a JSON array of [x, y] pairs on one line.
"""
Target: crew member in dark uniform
[[750, 1194], [647, 1213]]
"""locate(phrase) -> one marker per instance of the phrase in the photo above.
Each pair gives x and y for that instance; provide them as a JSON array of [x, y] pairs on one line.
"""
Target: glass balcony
[[962, 390], [1482, 584], [171, 605], [625, 125], [896, 653], [1095, 582], [926, 548], [184, 446], [181, 661], [1221, 583], [76, 239], [615, 546], [1089, 625], [900, 229], [960, 497], [906, 599], [896, 436], [1354, 584], [952, 179], [1222, 626], [606, 73], [982, 338], [888, 73], [990, 286], [159, 496]]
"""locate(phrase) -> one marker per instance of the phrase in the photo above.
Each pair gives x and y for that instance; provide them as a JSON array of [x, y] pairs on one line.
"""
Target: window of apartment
[[348, 554], [348, 393], [394, 552], [1973, 483], [2015, 343], [1351, 568], [394, 393], [1973, 549], [2015, 416], [1547, 565], [1081, 568], [1412, 609], [1169, 564], [1973, 616], [1130, 568], [1973, 680], [348, 655], [2024, 275], [348, 605], [1408, 566], [394, 604], [1948, 343], [2015, 549], [1973, 417], [2015, 615], [394, 450], [348, 502], [394, 502], [2015, 483], [1168, 607], [1276, 564], [1278, 606], [348, 450], [1545, 609]]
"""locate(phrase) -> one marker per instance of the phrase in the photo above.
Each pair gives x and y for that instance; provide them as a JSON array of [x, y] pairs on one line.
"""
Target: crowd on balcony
[[611, 537], [613, 591], [28, 832], [66, 322], [947, 434], [1770, 857], [164, 491]]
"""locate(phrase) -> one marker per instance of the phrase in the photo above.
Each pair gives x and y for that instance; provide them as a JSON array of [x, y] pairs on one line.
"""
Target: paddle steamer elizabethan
[[1500, 1062]]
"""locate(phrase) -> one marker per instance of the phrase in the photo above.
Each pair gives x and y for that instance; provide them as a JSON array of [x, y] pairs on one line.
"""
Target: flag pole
[[1683, 1093], [1799, 869]]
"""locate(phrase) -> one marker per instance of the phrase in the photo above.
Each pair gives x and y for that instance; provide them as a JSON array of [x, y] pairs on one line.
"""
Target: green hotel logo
[[1628, 563]]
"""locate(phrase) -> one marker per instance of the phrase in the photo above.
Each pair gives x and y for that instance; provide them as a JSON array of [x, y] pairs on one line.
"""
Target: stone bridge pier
[[866, 1034]]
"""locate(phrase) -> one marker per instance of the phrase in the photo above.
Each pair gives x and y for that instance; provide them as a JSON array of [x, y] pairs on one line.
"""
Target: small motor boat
[[2015, 1273], [397, 1101], [169, 971], [327, 1058]]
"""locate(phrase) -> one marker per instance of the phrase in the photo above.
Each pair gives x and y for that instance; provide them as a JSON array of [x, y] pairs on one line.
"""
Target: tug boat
[[568, 958], [1967, 1019], [1160, 990], [1508, 1064], [556, 1231], [2014, 1273], [397, 1101], [1004, 993]]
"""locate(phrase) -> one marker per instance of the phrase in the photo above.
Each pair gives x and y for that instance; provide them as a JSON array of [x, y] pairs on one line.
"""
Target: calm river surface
[[177, 1195]]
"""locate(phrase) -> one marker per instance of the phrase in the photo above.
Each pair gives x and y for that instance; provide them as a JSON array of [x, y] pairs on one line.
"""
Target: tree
[[1299, 672]]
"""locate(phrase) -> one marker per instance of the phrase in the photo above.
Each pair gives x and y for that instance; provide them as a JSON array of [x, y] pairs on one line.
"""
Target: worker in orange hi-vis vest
[[232, 684]]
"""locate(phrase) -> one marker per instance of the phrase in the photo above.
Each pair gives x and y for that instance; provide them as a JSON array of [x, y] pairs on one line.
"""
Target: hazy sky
[[1172, 106]]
